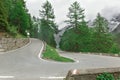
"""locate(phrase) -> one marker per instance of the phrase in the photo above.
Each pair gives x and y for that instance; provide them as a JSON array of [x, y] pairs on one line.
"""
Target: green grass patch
[[51, 54], [20, 36]]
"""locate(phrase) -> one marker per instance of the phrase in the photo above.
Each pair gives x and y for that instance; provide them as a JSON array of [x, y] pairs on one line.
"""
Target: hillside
[[4, 35]]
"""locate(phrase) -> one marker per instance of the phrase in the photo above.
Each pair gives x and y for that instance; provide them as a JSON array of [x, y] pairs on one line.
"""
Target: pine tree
[[47, 25], [101, 24], [34, 31], [76, 38], [75, 15], [47, 13], [101, 36]]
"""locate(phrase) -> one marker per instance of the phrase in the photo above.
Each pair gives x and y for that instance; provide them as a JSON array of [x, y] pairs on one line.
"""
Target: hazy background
[[106, 7]]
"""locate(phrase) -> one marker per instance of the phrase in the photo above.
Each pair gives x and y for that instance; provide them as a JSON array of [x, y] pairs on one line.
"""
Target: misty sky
[[106, 7]]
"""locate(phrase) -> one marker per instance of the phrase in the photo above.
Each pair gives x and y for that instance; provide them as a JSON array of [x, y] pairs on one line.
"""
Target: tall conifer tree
[[48, 26]]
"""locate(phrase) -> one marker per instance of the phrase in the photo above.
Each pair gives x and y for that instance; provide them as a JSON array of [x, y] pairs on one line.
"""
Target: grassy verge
[[19, 36], [51, 54]]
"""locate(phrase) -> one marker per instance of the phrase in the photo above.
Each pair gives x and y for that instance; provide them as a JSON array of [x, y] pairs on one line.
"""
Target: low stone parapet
[[91, 74]]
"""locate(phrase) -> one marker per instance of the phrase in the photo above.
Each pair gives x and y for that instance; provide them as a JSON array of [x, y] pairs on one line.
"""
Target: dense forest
[[15, 18], [16, 21]]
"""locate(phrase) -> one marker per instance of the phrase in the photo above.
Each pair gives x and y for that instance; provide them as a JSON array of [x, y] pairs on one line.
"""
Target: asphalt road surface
[[25, 64]]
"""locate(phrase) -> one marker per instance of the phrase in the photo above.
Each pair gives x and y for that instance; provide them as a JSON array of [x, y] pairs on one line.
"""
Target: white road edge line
[[52, 77], [7, 77], [39, 55]]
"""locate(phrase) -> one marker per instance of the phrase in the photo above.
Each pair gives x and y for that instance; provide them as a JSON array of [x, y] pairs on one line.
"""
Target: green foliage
[[47, 25], [51, 53], [115, 49], [46, 33], [102, 37], [75, 15], [101, 24], [79, 38], [13, 31], [34, 29], [75, 41], [76, 38], [17, 16], [117, 39], [104, 42], [3, 17], [118, 78], [47, 12], [105, 76]]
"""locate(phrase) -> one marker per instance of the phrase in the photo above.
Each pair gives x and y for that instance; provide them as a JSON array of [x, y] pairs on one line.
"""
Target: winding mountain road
[[24, 63]]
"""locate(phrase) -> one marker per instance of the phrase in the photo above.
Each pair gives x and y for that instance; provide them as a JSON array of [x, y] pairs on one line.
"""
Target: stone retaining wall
[[91, 74], [12, 43]]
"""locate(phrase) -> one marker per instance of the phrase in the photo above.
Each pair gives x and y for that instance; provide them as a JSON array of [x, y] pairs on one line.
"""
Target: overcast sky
[[92, 7]]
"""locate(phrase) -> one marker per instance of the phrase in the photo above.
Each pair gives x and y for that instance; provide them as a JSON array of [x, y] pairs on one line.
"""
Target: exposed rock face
[[116, 19], [58, 36], [113, 25], [7, 44], [116, 30]]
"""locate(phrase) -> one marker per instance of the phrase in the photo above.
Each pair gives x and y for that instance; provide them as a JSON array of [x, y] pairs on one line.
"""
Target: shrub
[[13, 31], [114, 49], [105, 76], [75, 41]]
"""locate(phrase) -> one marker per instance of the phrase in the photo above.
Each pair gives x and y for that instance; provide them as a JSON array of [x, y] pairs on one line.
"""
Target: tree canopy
[[102, 37], [47, 24], [76, 38], [16, 16], [3, 17]]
